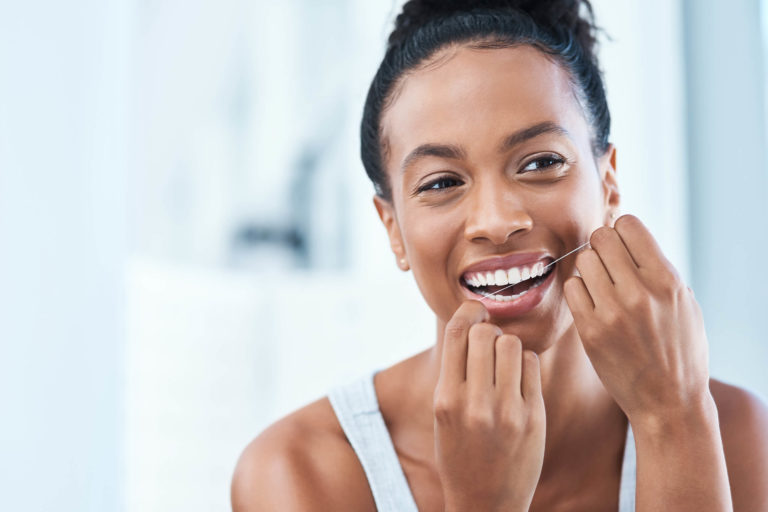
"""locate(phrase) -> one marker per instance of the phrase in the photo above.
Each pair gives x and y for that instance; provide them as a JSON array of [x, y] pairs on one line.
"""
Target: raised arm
[[680, 460], [666, 457], [644, 334]]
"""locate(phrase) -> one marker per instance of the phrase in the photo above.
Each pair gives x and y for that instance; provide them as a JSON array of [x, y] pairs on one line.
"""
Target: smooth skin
[[531, 412]]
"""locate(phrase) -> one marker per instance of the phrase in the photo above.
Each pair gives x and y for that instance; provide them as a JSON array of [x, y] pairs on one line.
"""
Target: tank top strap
[[357, 410], [628, 474]]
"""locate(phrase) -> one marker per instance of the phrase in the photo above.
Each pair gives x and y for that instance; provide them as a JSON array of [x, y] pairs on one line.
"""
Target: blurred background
[[188, 246]]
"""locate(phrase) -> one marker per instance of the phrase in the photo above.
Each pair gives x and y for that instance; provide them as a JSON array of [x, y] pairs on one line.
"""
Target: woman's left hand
[[639, 323]]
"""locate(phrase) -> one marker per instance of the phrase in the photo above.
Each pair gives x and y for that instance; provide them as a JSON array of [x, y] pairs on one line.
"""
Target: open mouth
[[506, 286]]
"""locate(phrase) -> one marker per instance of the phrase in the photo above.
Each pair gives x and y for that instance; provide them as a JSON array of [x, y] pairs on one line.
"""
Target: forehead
[[468, 95]]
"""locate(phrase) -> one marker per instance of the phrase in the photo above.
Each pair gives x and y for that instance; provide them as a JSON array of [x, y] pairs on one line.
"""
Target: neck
[[578, 407]]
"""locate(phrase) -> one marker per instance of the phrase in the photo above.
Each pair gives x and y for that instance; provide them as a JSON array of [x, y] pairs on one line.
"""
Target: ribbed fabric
[[628, 474], [357, 409]]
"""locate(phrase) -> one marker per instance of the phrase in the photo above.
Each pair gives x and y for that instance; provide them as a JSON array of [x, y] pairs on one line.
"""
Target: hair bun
[[575, 16]]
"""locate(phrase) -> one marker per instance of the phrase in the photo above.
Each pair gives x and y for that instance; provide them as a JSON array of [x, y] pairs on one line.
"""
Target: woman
[[584, 386]]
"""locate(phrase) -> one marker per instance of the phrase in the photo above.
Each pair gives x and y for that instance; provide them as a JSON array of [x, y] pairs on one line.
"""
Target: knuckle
[[484, 331], [588, 333], [456, 327], [671, 287], [444, 405], [512, 420], [531, 359], [509, 342], [472, 311], [639, 302], [478, 418], [570, 282]]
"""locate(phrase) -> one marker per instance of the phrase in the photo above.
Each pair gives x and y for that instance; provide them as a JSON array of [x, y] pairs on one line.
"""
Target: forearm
[[680, 461]]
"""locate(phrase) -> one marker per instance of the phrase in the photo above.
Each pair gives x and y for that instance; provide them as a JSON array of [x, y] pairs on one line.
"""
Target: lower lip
[[515, 307]]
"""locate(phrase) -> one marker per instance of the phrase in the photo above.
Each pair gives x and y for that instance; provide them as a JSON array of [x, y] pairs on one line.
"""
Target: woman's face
[[490, 165]]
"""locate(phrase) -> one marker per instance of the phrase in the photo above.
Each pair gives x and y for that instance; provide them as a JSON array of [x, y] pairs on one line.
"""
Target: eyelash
[[430, 186], [550, 158]]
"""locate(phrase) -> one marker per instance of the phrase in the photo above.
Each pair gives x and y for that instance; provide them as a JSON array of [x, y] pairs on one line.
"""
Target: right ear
[[387, 215]]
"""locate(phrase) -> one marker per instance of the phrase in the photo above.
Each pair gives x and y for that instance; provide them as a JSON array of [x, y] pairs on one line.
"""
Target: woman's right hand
[[489, 416]]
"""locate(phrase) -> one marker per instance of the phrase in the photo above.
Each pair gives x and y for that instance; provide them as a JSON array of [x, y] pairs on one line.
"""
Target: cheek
[[574, 209], [430, 241]]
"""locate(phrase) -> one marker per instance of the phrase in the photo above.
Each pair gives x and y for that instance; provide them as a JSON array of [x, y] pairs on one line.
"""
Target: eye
[[439, 183], [543, 163]]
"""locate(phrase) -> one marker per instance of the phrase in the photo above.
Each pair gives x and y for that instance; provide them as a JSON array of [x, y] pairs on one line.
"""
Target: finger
[[640, 244], [509, 352], [453, 369], [578, 299], [613, 253], [595, 276], [481, 358], [531, 381]]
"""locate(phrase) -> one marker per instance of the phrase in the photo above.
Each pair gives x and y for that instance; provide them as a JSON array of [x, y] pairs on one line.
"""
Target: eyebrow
[[458, 153]]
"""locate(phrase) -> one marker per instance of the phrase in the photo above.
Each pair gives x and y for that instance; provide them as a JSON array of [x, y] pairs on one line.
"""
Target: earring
[[403, 264], [613, 215]]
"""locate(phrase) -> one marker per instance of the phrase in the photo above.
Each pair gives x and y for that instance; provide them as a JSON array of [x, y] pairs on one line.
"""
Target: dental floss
[[488, 296]]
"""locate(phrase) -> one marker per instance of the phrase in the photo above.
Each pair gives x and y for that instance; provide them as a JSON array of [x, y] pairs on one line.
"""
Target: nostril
[[497, 236], [497, 224]]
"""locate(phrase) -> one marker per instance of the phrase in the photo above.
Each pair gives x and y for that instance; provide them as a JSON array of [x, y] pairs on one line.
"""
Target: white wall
[[729, 183], [62, 242]]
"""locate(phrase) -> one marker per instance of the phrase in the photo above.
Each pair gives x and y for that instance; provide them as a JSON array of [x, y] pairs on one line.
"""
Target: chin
[[542, 331]]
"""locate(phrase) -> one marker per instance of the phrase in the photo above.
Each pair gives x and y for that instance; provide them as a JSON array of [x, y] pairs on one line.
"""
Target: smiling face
[[490, 165]]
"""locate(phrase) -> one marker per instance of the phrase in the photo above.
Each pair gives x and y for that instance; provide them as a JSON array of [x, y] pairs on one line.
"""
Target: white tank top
[[357, 409]]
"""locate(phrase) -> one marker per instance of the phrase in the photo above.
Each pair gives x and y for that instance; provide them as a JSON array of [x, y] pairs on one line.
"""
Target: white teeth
[[500, 277], [505, 298]]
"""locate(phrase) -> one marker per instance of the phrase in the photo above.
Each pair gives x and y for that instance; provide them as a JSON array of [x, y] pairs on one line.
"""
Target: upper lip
[[509, 261]]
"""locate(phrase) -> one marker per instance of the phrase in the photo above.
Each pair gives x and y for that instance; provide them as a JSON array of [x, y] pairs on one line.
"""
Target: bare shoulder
[[744, 429], [301, 462]]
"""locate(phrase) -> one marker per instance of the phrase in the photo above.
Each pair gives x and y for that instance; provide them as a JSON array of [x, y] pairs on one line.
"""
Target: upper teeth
[[500, 277]]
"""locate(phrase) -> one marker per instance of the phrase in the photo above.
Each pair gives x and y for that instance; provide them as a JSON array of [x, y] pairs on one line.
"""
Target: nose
[[495, 214]]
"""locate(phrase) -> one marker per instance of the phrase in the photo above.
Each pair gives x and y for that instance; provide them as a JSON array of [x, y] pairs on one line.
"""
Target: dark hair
[[562, 29]]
